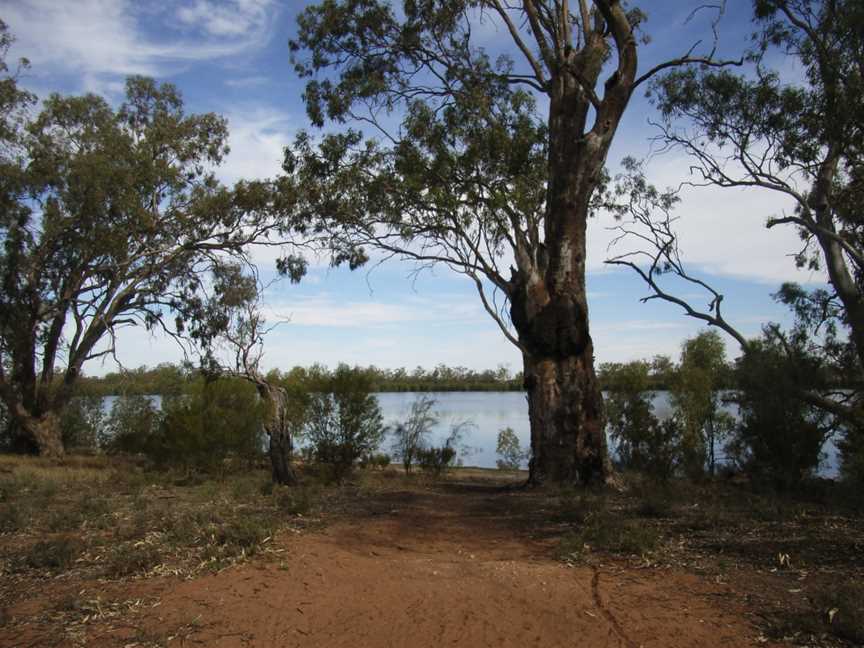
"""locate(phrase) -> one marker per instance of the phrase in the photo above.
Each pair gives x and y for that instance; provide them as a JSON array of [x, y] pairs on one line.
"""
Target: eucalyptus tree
[[800, 137], [487, 164], [110, 219], [242, 330], [696, 397]]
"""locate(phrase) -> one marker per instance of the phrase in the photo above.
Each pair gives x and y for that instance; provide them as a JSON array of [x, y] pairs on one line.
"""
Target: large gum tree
[[487, 162], [109, 218]]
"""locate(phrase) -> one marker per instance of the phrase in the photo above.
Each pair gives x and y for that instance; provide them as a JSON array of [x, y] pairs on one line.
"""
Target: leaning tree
[[454, 163], [800, 138], [110, 219], [236, 315]]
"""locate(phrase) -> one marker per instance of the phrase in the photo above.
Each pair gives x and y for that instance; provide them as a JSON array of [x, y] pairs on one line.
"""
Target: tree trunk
[[565, 408], [45, 432], [549, 305], [280, 458], [279, 430]]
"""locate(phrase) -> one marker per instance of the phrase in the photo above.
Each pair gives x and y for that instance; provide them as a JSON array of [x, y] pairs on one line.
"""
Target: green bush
[[695, 391], [508, 448], [244, 535], [377, 460], [779, 437], [343, 420], [436, 460], [81, 423], [131, 425], [642, 442], [210, 422], [411, 436], [605, 531]]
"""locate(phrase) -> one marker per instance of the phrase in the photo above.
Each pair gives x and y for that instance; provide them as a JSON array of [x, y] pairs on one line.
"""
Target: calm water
[[490, 412], [493, 411]]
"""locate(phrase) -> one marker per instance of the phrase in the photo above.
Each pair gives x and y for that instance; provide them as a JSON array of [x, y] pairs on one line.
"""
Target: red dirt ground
[[442, 568]]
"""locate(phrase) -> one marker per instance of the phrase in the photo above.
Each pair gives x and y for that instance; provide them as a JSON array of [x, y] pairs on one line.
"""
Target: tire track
[[607, 614]]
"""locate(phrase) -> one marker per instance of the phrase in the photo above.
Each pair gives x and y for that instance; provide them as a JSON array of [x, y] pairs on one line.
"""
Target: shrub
[[436, 460], [13, 517], [81, 423], [57, 554], [297, 500], [410, 437], [695, 391], [343, 420], [211, 421], [244, 535], [851, 447], [604, 531], [512, 455], [779, 438], [378, 461], [642, 442], [131, 425], [132, 559]]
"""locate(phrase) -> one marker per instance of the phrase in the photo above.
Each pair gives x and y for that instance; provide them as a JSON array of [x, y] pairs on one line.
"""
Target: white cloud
[[327, 311], [101, 40], [232, 18], [721, 231], [247, 82], [257, 137]]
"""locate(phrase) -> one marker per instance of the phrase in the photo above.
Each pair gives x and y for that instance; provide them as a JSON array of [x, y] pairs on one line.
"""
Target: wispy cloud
[[101, 41], [247, 82], [232, 19], [329, 311]]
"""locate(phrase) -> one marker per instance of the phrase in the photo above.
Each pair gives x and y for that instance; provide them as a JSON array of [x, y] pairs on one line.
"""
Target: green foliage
[[779, 437], [110, 217], [377, 460], [605, 531], [167, 379], [851, 447], [81, 423], [759, 128], [696, 398], [244, 535], [131, 559], [298, 500], [343, 420], [214, 420], [411, 437], [436, 460], [642, 442], [511, 453], [131, 426]]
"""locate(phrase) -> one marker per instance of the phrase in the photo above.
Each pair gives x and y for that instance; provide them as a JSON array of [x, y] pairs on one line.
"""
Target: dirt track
[[437, 569]]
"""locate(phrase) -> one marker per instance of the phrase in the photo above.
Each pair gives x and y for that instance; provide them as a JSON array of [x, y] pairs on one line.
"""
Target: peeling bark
[[46, 433], [278, 430]]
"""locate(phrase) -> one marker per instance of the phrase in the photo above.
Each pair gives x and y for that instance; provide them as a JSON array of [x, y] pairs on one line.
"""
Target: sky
[[231, 57]]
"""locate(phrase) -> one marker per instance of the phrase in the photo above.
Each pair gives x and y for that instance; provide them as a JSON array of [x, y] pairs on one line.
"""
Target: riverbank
[[99, 552]]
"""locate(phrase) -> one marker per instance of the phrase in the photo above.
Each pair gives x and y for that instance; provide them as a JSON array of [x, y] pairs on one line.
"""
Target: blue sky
[[231, 57]]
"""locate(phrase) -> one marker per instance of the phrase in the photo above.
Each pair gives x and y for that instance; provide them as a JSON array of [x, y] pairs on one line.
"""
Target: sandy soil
[[430, 568]]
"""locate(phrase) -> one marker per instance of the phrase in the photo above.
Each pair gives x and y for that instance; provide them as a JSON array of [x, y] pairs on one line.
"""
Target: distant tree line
[[168, 379]]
